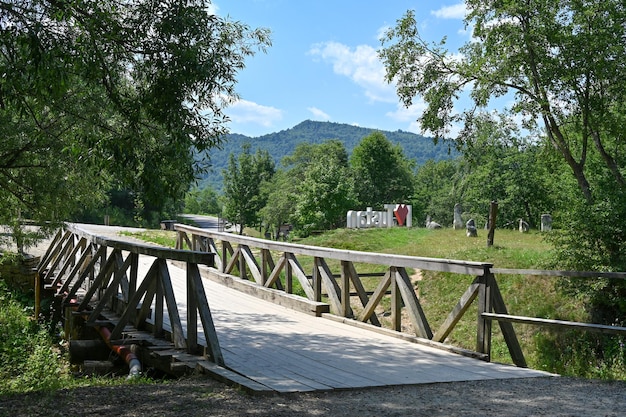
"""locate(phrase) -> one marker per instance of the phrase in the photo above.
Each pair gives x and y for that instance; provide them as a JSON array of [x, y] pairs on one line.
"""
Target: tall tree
[[562, 59], [97, 94], [315, 189], [498, 163], [243, 186], [382, 173], [563, 63]]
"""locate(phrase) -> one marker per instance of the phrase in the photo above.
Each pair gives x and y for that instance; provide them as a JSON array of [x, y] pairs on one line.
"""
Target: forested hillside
[[280, 144]]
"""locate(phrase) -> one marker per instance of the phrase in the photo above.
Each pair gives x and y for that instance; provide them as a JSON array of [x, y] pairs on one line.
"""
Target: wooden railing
[[93, 274], [275, 265]]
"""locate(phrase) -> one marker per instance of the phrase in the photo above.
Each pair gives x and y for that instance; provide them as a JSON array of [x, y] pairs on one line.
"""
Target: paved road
[[205, 222]]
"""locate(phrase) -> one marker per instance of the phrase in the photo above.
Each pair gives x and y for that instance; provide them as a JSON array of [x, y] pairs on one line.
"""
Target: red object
[[401, 213]]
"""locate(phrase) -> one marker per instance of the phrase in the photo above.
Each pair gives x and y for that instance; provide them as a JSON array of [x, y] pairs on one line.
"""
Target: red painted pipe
[[123, 352]]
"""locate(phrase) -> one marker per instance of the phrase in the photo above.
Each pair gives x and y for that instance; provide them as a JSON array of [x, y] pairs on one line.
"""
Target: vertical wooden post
[[493, 212], [288, 276], [317, 280], [242, 263], [396, 301], [192, 310], [485, 305], [345, 289], [265, 260]]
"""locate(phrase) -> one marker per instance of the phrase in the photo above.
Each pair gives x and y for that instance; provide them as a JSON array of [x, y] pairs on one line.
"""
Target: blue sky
[[323, 64]]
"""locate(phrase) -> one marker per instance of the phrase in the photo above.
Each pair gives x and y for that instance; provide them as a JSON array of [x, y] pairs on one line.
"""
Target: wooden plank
[[457, 312], [374, 300], [64, 248], [52, 248], [272, 295], [213, 249], [200, 301], [172, 306], [87, 272], [296, 269], [360, 291], [204, 258], [332, 288], [253, 265], [234, 260], [572, 274], [145, 288], [229, 377], [507, 328], [346, 309], [109, 293], [80, 264], [69, 261], [396, 302], [592, 327], [483, 331], [274, 275], [431, 264], [416, 313], [98, 282], [407, 337]]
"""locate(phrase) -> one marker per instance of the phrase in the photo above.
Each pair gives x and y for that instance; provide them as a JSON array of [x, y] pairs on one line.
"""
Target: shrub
[[28, 359]]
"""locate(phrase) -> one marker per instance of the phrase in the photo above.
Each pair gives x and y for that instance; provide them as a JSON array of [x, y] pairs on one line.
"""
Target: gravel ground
[[194, 396]]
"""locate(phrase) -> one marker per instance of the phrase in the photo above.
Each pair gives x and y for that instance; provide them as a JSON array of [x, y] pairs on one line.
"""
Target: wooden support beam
[[178, 335], [457, 312], [563, 324], [252, 264], [147, 288], [360, 291], [332, 288], [396, 301], [194, 281], [483, 331], [374, 300], [296, 268], [414, 308]]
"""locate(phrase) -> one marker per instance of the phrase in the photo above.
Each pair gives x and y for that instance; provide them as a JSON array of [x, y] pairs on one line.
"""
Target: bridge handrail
[[195, 257], [425, 263], [484, 289], [92, 274]]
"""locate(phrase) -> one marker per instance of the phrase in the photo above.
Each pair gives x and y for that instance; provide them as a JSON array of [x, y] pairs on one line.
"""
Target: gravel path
[[554, 396]]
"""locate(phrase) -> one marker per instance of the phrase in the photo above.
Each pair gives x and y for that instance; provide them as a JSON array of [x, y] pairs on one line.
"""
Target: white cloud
[[213, 8], [319, 114], [456, 11], [360, 64], [404, 114], [244, 111]]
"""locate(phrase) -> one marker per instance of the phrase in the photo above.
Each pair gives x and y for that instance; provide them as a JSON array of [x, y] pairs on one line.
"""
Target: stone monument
[[546, 222], [470, 228], [458, 221]]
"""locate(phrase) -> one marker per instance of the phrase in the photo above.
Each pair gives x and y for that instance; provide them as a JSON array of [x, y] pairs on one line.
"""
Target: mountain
[[283, 143]]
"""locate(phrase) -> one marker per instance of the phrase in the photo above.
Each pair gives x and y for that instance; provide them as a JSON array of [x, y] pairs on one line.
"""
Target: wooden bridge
[[195, 308]]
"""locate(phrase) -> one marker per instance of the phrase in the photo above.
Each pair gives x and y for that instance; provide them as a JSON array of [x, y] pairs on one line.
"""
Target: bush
[[28, 360]]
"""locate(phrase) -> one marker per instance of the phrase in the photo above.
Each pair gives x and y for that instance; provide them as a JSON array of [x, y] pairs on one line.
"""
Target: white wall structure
[[400, 214]]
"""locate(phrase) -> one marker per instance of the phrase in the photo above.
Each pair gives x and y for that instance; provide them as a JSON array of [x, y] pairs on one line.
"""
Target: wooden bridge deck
[[287, 351]]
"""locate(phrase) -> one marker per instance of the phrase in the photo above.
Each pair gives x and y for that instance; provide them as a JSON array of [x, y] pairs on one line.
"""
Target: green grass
[[439, 292], [165, 238]]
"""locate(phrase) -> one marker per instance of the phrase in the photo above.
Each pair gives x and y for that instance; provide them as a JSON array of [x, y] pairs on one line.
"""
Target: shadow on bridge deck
[[287, 351]]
